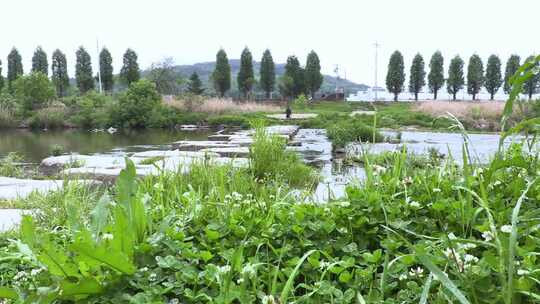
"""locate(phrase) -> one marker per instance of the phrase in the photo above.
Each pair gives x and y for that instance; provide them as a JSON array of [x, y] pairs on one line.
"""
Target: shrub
[[7, 117], [347, 131], [92, 110], [229, 120], [48, 118], [137, 105], [34, 90], [300, 102]]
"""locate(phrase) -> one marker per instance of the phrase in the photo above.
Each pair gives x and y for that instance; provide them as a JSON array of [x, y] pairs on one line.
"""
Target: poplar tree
[[294, 73], [313, 78], [418, 76], [493, 75], [395, 77], [83, 71], [195, 84], [436, 73], [512, 65], [1, 77], [475, 75], [455, 80], [40, 62], [59, 76], [130, 70], [245, 77], [222, 73], [267, 73], [530, 86], [15, 67], [106, 70]]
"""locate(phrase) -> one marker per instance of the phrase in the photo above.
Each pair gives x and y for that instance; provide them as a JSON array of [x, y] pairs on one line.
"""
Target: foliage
[[164, 76], [267, 73], [83, 71], [455, 80], [1, 77], [475, 75], [313, 77], [436, 73], [40, 62], [286, 86], [246, 76], [300, 102], [353, 130], [395, 77], [493, 75], [48, 118], [136, 106], [60, 77], [34, 90], [294, 78], [418, 76], [106, 70], [271, 162], [512, 65], [531, 85], [10, 166], [15, 67], [228, 120], [130, 72], [221, 76], [195, 84], [93, 110]]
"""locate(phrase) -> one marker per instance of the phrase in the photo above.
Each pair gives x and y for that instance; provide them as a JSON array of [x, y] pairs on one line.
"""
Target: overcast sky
[[340, 31]]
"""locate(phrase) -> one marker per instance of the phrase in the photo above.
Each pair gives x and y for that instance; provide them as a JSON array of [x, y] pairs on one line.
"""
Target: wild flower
[[506, 228], [378, 170], [324, 265], [249, 270], [269, 299], [108, 236], [436, 190], [152, 277], [402, 277], [407, 180], [487, 236], [224, 269], [416, 272], [523, 272], [452, 236], [344, 204], [414, 204]]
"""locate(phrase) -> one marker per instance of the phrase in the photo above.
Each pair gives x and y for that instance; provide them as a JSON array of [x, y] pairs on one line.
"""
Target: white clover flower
[[379, 169], [436, 190], [523, 272], [20, 275], [108, 236], [467, 246], [407, 180], [416, 272], [342, 230], [344, 204], [452, 236], [402, 277], [449, 253], [324, 265], [414, 204], [506, 228], [152, 276], [496, 183], [469, 258], [144, 269], [268, 300], [224, 269], [487, 236], [249, 270], [240, 281], [35, 272]]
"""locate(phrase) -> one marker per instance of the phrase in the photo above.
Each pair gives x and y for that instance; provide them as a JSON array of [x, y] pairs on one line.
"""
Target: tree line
[[295, 81], [84, 78], [492, 79]]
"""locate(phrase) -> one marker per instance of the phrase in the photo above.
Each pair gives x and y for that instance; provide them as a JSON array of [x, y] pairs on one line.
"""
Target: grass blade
[[441, 276], [289, 285]]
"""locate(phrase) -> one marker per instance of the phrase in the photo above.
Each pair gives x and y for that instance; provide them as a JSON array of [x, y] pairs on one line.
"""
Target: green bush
[[9, 167], [352, 130], [137, 106], [48, 118], [93, 110], [34, 90]]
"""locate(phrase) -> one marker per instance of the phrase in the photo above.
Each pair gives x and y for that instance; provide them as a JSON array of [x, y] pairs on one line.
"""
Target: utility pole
[[336, 70], [376, 44], [99, 67]]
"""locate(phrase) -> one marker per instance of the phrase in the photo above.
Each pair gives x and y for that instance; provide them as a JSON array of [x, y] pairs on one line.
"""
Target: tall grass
[[221, 106]]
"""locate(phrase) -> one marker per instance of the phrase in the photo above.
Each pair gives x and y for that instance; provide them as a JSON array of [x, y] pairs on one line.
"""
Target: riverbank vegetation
[[448, 231]]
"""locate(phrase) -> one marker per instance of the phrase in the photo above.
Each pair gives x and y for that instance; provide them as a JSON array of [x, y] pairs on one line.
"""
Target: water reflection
[[36, 145]]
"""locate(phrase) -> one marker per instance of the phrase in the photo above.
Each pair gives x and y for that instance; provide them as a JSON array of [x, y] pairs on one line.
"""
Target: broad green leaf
[[8, 293]]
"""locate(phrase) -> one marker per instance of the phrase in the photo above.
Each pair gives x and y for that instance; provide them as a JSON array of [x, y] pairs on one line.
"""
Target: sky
[[342, 32]]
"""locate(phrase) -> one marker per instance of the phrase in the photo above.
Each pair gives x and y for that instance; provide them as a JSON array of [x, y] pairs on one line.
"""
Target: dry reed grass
[[464, 110], [219, 105]]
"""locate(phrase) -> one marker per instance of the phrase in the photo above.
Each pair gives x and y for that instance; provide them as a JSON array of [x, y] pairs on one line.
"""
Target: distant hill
[[205, 69]]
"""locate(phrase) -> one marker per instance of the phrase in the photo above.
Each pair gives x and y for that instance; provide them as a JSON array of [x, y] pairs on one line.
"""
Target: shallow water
[[36, 145]]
